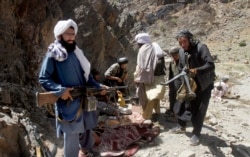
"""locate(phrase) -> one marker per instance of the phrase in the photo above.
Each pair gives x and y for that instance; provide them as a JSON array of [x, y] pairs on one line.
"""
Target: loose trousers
[[73, 143], [198, 109]]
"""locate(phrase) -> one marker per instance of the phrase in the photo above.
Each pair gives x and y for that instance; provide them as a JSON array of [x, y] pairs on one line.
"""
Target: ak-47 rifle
[[43, 98], [186, 76]]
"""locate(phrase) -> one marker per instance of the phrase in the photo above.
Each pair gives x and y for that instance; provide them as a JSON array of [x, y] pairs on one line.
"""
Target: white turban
[[142, 38], [63, 25], [59, 29]]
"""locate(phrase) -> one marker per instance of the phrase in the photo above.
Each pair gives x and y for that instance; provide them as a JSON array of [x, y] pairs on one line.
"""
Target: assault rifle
[[43, 98]]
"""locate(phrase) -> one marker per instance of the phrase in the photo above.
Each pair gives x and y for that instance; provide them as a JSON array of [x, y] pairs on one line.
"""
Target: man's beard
[[69, 47]]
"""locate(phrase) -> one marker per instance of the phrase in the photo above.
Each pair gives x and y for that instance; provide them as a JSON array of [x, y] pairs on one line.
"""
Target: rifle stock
[[45, 98]]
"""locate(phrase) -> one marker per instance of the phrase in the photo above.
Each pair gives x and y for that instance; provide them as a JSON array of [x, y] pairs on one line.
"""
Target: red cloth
[[119, 139]]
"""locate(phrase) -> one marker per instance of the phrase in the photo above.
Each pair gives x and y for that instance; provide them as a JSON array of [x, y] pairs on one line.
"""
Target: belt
[[78, 114]]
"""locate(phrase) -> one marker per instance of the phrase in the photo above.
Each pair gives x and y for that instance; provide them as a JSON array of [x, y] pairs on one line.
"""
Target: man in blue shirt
[[64, 68]]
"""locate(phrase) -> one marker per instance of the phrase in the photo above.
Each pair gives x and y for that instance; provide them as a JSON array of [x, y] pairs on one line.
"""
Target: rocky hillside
[[106, 31]]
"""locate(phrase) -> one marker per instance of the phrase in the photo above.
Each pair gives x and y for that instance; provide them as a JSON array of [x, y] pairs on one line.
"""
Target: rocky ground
[[225, 132]]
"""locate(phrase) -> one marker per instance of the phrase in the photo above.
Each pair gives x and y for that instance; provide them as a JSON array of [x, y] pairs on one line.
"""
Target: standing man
[[65, 67], [149, 89], [174, 85], [201, 65]]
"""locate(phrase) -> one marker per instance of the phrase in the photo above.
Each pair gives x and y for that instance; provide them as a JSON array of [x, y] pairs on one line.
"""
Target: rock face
[[12, 137], [27, 31]]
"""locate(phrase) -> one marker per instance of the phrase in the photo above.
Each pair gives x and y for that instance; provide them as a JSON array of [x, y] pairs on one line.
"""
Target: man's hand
[[125, 76], [104, 86], [119, 79], [193, 71], [66, 95], [103, 92]]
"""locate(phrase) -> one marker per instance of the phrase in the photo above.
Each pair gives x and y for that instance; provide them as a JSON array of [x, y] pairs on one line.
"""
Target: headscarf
[[62, 26], [225, 78], [60, 53], [142, 38]]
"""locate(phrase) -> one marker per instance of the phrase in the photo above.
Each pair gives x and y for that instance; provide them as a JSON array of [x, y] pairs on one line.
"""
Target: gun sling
[[78, 113]]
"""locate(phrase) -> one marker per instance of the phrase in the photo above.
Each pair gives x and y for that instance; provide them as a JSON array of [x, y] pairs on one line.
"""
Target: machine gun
[[186, 90]]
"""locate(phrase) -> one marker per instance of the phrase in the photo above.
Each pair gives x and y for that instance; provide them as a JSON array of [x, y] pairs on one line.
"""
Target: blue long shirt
[[55, 77]]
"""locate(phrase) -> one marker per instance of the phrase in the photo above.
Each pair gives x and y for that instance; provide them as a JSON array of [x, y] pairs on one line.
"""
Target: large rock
[[12, 137], [27, 31]]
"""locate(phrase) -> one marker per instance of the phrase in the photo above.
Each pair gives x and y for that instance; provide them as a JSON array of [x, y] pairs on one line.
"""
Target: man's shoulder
[[115, 65], [200, 46]]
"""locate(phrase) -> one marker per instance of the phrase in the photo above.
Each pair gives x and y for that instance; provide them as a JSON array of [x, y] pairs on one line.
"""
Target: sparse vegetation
[[243, 43]]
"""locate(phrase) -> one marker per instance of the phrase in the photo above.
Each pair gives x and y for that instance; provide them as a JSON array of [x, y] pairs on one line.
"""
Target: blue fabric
[[71, 147], [87, 139], [55, 77]]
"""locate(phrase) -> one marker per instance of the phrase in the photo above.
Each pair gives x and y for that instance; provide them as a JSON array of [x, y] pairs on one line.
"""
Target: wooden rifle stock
[[45, 98]]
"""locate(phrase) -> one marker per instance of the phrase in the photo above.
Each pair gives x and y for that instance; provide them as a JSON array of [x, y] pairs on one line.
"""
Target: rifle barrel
[[174, 78]]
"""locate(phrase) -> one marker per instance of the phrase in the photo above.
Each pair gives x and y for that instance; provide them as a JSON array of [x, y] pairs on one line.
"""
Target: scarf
[[59, 53]]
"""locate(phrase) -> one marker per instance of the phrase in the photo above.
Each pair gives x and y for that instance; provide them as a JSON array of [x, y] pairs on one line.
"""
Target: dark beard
[[67, 46]]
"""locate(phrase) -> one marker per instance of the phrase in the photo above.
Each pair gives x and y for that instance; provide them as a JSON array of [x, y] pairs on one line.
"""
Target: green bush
[[243, 43]]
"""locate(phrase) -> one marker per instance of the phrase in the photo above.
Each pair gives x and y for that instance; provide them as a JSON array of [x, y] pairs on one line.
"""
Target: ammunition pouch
[[90, 103]]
